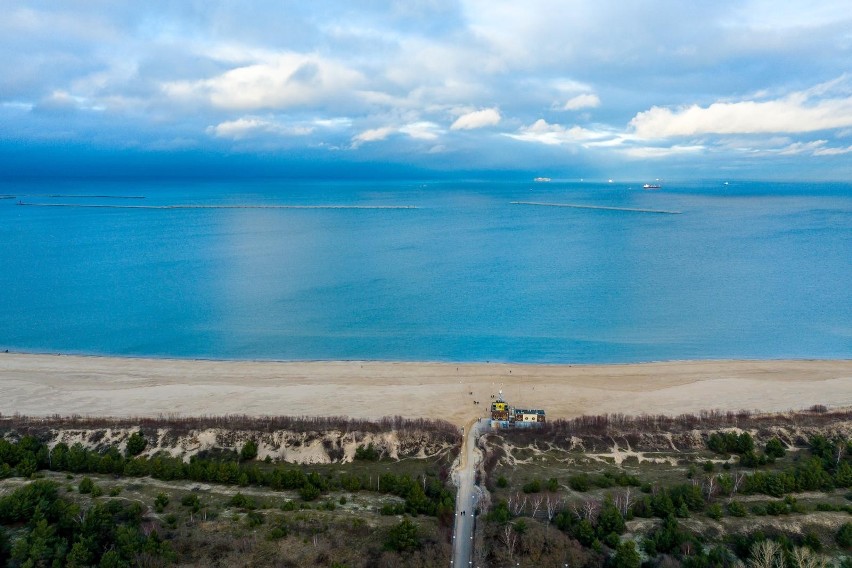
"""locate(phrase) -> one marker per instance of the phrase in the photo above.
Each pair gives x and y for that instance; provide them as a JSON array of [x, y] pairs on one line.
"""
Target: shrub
[[502, 482], [626, 556], [533, 486], [714, 511], [254, 519], [248, 451], [580, 482], [192, 502], [736, 509], [136, 443], [161, 501], [844, 536], [86, 485], [279, 530], [367, 453], [775, 449], [309, 492], [403, 537]]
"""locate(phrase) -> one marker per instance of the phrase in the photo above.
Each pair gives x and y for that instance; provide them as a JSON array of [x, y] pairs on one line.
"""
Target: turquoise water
[[747, 270]]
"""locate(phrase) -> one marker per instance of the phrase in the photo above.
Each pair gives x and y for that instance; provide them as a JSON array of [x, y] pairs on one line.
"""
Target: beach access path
[[467, 495], [41, 385]]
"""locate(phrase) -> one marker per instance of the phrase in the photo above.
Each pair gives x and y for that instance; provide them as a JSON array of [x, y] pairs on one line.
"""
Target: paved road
[[467, 497]]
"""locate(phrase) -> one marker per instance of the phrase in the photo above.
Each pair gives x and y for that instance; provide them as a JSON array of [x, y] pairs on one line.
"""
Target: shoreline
[[95, 385], [88, 355]]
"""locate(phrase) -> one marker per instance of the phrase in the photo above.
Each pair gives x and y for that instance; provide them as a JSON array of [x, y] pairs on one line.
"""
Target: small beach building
[[505, 416]]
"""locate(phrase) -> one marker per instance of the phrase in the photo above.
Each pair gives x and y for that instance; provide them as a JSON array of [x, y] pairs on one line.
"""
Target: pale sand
[[55, 384]]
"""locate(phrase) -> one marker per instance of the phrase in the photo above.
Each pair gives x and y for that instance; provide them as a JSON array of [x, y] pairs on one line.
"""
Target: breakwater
[[109, 206], [601, 207], [70, 196]]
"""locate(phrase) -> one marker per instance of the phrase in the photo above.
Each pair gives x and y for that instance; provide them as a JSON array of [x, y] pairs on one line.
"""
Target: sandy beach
[[57, 384]]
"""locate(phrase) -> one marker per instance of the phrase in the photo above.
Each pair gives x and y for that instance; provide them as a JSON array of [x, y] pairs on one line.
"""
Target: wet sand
[[64, 385]]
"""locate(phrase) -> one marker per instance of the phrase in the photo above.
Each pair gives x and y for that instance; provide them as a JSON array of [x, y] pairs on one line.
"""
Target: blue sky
[[582, 89]]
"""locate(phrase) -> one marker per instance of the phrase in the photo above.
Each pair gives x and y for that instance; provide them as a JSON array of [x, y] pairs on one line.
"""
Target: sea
[[493, 271]]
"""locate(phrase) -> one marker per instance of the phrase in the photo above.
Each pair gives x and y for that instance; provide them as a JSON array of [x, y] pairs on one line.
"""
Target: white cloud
[[586, 100], [653, 152], [373, 135], [282, 81], [833, 151], [555, 134], [418, 130], [813, 148], [251, 126], [802, 148], [477, 119], [793, 113], [421, 130]]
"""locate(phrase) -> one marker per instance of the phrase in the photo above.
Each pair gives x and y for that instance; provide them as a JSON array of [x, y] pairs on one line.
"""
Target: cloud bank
[[466, 82]]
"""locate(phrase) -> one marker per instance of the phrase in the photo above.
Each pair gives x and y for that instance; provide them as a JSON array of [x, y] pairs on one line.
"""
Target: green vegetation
[[248, 451], [60, 532], [403, 537], [368, 453], [136, 444], [187, 512], [785, 495]]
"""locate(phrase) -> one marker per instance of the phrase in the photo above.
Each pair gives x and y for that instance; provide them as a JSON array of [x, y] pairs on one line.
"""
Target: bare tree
[[804, 557], [516, 504], [738, 479], [536, 505], [510, 539], [766, 554], [710, 486], [553, 505], [624, 501], [591, 508]]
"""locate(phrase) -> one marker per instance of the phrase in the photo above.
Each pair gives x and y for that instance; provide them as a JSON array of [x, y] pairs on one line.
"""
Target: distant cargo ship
[[541, 179], [651, 186]]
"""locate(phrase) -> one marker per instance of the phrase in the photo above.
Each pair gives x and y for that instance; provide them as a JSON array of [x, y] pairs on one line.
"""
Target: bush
[[279, 530], [403, 537], [254, 519], [736, 509], [192, 502], [714, 511], [309, 492], [161, 501], [368, 453], [580, 482], [533, 486], [844, 536], [775, 449], [136, 443], [248, 451], [86, 485], [626, 556], [502, 482]]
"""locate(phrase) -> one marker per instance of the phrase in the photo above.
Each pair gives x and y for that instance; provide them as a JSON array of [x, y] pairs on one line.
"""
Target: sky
[[564, 89]]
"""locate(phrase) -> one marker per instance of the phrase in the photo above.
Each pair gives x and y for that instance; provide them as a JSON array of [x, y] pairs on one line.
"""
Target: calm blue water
[[748, 270]]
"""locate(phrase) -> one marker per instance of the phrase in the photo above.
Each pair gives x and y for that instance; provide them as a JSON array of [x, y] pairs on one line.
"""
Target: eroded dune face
[[332, 441]]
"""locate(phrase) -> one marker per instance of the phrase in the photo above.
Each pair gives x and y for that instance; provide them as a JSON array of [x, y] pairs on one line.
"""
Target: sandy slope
[[48, 384]]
